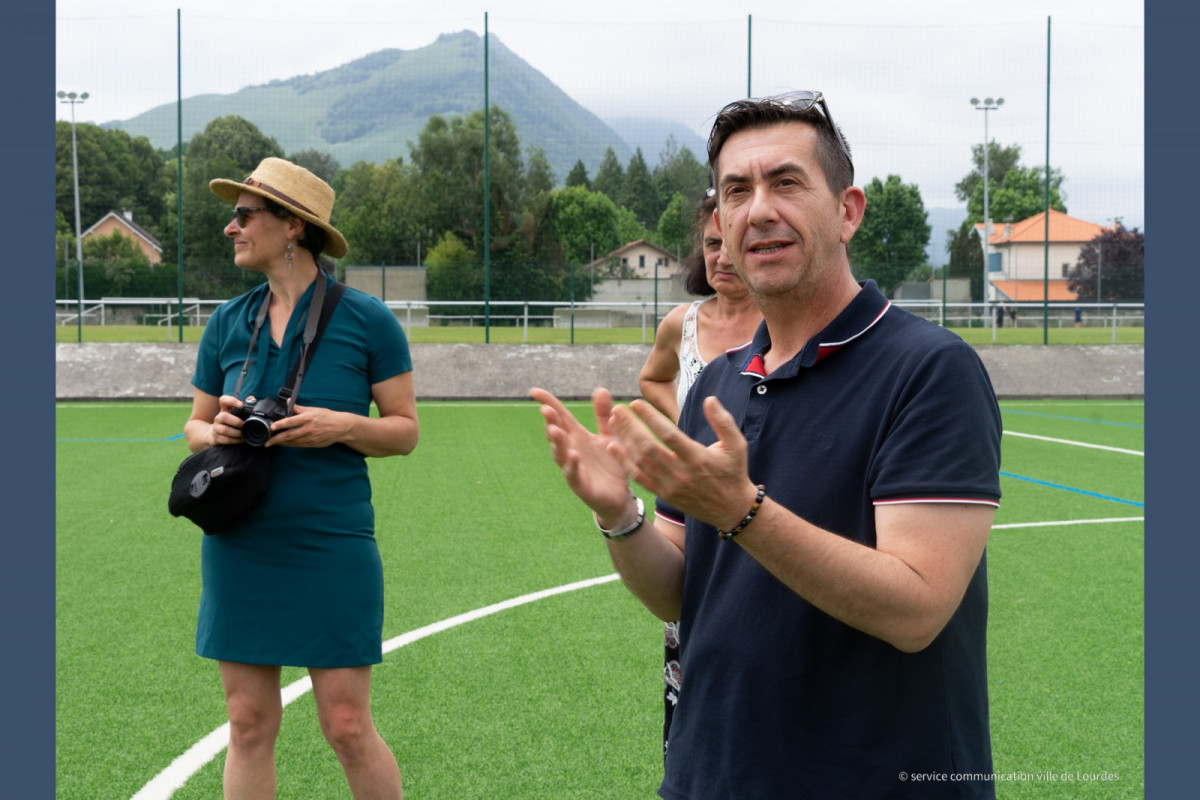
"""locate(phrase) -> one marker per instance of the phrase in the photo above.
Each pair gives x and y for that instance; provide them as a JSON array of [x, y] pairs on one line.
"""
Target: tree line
[[429, 210]]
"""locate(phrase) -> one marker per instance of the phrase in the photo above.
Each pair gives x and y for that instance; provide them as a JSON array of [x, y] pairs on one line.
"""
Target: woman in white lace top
[[693, 334], [689, 337]]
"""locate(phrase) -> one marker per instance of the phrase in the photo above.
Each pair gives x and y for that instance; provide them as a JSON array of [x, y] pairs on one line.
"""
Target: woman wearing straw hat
[[299, 581]]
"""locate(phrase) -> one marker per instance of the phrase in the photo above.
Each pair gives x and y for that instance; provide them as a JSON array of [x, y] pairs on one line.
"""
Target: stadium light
[[73, 98], [988, 105]]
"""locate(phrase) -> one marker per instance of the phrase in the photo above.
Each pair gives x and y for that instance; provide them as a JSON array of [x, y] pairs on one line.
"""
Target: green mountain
[[371, 108]]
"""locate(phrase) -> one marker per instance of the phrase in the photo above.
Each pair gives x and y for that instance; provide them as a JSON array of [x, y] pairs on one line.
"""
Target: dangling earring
[[290, 263]]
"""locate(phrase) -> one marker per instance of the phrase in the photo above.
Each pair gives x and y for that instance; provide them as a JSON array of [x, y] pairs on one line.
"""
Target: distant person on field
[[299, 582], [837, 479], [690, 336], [1078, 317]]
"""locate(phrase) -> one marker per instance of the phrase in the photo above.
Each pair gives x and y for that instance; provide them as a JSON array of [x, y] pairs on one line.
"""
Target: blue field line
[[174, 438], [1073, 419], [1072, 489], [112, 440]]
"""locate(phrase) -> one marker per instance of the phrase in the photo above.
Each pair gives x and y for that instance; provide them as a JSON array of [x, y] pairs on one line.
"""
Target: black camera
[[257, 417]]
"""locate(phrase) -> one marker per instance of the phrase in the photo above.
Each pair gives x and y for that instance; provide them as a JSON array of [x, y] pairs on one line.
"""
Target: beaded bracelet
[[741, 526]]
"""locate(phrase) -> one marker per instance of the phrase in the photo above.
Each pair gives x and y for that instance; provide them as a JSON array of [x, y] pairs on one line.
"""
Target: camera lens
[[256, 431]]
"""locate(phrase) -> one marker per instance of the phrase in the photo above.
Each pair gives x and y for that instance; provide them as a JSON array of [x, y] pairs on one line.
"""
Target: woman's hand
[[310, 426], [227, 426]]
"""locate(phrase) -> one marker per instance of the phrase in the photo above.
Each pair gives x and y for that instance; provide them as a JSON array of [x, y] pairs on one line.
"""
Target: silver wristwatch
[[627, 526]]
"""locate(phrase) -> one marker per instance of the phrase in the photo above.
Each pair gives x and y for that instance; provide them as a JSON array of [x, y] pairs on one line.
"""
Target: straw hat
[[292, 187]]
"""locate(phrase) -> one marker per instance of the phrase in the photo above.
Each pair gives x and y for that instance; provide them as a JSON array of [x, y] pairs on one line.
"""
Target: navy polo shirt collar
[[866, 309]]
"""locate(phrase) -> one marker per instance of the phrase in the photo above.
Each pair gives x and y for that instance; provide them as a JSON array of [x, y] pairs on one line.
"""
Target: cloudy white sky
[[898, 75]]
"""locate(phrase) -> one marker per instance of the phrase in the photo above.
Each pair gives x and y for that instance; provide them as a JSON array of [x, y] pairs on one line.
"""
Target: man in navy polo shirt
[[836, 480]]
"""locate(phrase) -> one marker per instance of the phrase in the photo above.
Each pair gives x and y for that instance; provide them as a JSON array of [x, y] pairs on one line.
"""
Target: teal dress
[[299, 581]]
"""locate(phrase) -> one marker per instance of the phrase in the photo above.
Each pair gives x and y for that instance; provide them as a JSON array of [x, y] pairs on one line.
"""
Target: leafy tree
[[679, 171], [579, 176], [1021, 195], [119, 257], [1120, 255], [448, 159], [629, 228], [637, 190], [583, 222], [114, 266], [675, 225], [539, 177], [966, 258], [375, 211], [455, 272], [1000, 160], [116, 173], [318, 162], [235, 139], [894, 233], [610, 178]]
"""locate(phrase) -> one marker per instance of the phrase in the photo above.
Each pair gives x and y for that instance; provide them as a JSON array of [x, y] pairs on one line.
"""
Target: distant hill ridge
[[371, 108]]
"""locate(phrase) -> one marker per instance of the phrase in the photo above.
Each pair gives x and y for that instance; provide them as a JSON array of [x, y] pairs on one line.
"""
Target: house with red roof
[[637, 259], [1018, 256], [124, 224]]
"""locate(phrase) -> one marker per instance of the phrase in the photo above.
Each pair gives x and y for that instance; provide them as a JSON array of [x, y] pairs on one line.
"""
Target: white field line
[[1011, 525], [165, 783], [1076, 444]]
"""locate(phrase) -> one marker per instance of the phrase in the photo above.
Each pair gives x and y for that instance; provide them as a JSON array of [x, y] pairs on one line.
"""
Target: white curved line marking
[[165, 783]]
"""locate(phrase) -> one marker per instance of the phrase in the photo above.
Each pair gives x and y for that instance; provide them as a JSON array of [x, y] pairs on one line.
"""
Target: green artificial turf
[[559, 698]]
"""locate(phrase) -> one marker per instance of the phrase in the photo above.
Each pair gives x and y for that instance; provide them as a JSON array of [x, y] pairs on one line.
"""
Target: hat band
[[276, 193]]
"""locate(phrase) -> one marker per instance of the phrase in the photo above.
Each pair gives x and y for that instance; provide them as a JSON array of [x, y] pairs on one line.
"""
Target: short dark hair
[[695, 273], [743, 115]]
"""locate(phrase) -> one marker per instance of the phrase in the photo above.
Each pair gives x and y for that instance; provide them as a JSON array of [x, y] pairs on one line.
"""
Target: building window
[[1066, 270], [641, 262]]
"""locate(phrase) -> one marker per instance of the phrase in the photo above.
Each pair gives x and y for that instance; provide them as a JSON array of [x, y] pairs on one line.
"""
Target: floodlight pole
[[73, 98], [988, 105]]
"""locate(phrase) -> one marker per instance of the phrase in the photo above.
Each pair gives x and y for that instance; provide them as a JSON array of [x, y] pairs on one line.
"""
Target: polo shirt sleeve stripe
[[969, 500]]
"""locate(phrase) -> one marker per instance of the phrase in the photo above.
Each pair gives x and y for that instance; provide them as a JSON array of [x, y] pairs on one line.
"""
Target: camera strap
[[325, 299]]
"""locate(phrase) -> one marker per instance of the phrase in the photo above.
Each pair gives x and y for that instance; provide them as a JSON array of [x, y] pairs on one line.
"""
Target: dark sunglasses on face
[[799, 101], [240, 212]]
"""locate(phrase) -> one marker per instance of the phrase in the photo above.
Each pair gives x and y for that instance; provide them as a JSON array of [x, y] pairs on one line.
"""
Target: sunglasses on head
[[801, 100], [239, 213]]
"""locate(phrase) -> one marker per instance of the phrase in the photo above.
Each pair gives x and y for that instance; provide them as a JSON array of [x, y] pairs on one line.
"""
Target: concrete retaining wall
[[93, 371]]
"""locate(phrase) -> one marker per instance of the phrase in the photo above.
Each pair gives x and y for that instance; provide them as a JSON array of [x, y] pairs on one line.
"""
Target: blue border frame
[[27, 404], [1172, 288]]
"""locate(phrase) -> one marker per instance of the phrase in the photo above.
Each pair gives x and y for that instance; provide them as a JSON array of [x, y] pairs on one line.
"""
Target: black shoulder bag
[[217, 486]]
